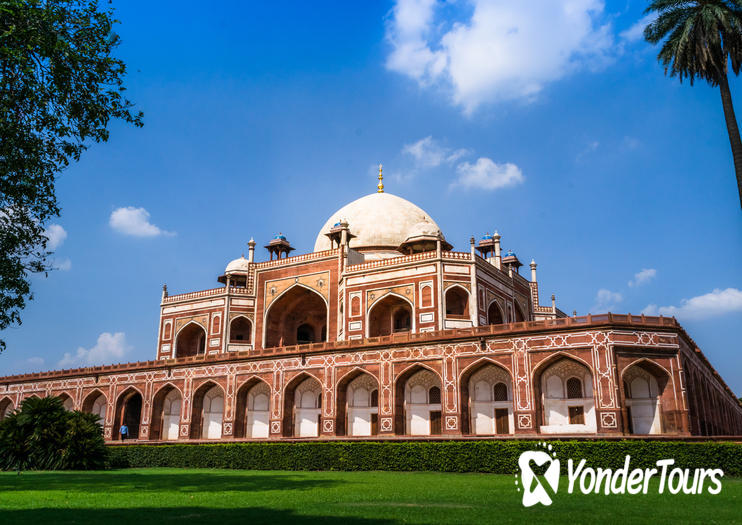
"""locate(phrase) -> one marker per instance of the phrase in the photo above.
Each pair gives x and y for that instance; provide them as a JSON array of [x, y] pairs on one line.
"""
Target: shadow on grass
[[123, 481], [198, 515]]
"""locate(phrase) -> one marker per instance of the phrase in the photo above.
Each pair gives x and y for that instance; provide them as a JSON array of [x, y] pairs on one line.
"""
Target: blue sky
[[559, 130]]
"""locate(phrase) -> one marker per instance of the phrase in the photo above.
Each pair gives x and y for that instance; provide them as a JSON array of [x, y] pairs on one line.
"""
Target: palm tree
[[701, 39]]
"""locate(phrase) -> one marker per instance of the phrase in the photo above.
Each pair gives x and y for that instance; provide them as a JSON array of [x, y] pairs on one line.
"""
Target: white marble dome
[[380, 223], [238, 265]]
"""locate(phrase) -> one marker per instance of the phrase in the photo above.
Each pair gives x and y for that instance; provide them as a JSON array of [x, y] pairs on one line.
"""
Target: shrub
[[495, 456], [42, 435]]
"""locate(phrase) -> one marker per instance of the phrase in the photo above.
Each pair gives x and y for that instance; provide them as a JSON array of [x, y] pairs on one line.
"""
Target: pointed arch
[[96, 403], [400, 415], [207, 411], [297, 306], [645, 383], [166, 411], [466, 397], [293, 414], [250, 420], [495, 315], [390, 313], [190, 340], [67, 400], [6, 407], [558, 408], [457, 301], [346, 415], [241, 330], [520, 316], [128, 411]]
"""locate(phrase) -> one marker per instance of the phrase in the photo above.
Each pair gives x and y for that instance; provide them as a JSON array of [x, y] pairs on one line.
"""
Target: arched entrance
[[299, 316], [6, 408], [96, 403], [166, 409], [302, 407], [240, 330], [490, 400], [519, 317], [67, 401], [644, 385], [253, 410], [420, 392], [566, 396], [128, 412], [494, 314], [191, 341], [457, 303], [208, 412], [358, 405], [391, 314]]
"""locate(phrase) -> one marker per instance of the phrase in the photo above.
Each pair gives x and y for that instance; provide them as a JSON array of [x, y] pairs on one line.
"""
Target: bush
[[445, 456], [42, 435]]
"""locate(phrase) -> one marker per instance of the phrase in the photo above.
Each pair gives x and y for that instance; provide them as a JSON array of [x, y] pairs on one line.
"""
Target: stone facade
[[351, 342]]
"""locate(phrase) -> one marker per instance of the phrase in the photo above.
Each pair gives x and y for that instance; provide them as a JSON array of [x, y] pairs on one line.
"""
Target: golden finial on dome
[[380, 186]]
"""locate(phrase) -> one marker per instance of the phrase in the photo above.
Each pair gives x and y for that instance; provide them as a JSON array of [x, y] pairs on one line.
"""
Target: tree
[[42, 435], [702, 38], [60, 86]]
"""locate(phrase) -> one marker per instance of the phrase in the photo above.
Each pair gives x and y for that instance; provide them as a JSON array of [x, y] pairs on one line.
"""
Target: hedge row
[[444, 456]]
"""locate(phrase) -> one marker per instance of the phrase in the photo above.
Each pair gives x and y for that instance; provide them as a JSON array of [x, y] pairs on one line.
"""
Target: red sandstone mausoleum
[[384, 331]]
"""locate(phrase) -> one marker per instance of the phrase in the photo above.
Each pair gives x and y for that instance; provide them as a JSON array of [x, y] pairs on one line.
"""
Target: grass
[[161, 496]]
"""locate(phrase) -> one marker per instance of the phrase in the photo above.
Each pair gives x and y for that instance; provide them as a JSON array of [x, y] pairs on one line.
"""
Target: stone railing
[[297, 258], [194, 295], [624, 320], [393, 261]]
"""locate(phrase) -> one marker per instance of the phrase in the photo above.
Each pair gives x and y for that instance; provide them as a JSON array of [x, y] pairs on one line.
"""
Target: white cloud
[[108, 348], [636, 32], [428, 153], [591, 146], [64, 264], [713, 304], [606, 301], [487, 175], [499, 50], [56, 235], [35, 362], [134, 221], [643, 277]]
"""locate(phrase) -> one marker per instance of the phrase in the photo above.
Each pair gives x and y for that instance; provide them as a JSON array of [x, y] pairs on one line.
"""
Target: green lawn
[[142, 496]]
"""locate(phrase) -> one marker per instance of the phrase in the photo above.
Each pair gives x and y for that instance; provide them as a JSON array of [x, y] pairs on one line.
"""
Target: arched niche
[[166, 414], [298, 316], [208, 412], [6, 408], [494, 314], [191, 340], [565, 393], [490, 400], [96, 403], [390, 314], [128, 412], [240, 330], [457, 303], [252, 418], [358, 405], [419, 391], [302, 407], [644, 384]]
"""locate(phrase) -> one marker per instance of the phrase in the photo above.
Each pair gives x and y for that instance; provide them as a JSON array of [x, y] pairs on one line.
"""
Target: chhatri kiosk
[[385, 332]]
